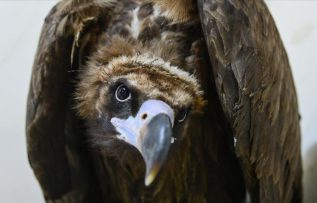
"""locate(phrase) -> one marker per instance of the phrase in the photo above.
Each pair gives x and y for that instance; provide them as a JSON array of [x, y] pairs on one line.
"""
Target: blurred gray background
[[21, 22]]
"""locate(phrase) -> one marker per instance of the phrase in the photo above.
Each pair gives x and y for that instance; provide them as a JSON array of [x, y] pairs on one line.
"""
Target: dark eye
[[123, 93], [182, 115]]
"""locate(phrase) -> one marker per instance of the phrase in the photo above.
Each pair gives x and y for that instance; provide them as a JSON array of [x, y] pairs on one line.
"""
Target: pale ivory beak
[[150, 132]]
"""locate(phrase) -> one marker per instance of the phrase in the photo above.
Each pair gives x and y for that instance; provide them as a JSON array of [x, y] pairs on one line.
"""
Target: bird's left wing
[[256, 90], [55, 140]]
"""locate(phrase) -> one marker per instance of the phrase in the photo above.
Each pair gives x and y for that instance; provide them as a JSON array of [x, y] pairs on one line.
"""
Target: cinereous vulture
[[163, 101]]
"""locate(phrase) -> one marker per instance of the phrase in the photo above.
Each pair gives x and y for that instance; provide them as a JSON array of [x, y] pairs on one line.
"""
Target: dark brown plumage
[[221, 61]]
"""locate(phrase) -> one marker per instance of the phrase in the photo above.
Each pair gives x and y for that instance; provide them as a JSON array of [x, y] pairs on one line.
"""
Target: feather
[[256, 89], [177, 10]]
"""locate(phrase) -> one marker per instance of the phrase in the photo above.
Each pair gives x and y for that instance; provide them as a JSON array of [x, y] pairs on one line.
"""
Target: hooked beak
[[155, 145], [150, 132]]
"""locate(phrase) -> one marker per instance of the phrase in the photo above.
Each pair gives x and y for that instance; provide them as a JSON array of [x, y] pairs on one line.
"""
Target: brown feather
[[178, 10], [256, 88]]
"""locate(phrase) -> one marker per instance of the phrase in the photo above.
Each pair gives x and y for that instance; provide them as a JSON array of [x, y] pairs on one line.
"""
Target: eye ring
[[182, 115], [123, 93]]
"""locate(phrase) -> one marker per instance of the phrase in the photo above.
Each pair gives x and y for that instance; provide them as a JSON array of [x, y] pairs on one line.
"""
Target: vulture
[[163, 101]]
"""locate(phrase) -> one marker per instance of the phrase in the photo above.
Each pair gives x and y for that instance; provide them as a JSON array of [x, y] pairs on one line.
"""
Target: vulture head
[[136, 101]]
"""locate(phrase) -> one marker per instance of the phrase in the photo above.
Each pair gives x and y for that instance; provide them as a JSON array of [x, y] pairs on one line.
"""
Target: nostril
[[144, 116]]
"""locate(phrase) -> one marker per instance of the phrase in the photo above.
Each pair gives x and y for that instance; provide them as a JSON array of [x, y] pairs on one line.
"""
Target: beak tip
[[148, 181], [150, 177]]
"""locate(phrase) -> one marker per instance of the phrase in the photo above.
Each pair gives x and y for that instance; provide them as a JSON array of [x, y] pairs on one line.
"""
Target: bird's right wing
[[55, 140]]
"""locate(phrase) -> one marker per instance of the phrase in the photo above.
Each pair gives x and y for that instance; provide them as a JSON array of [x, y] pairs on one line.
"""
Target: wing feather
[[256, 89], [55, 140]]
